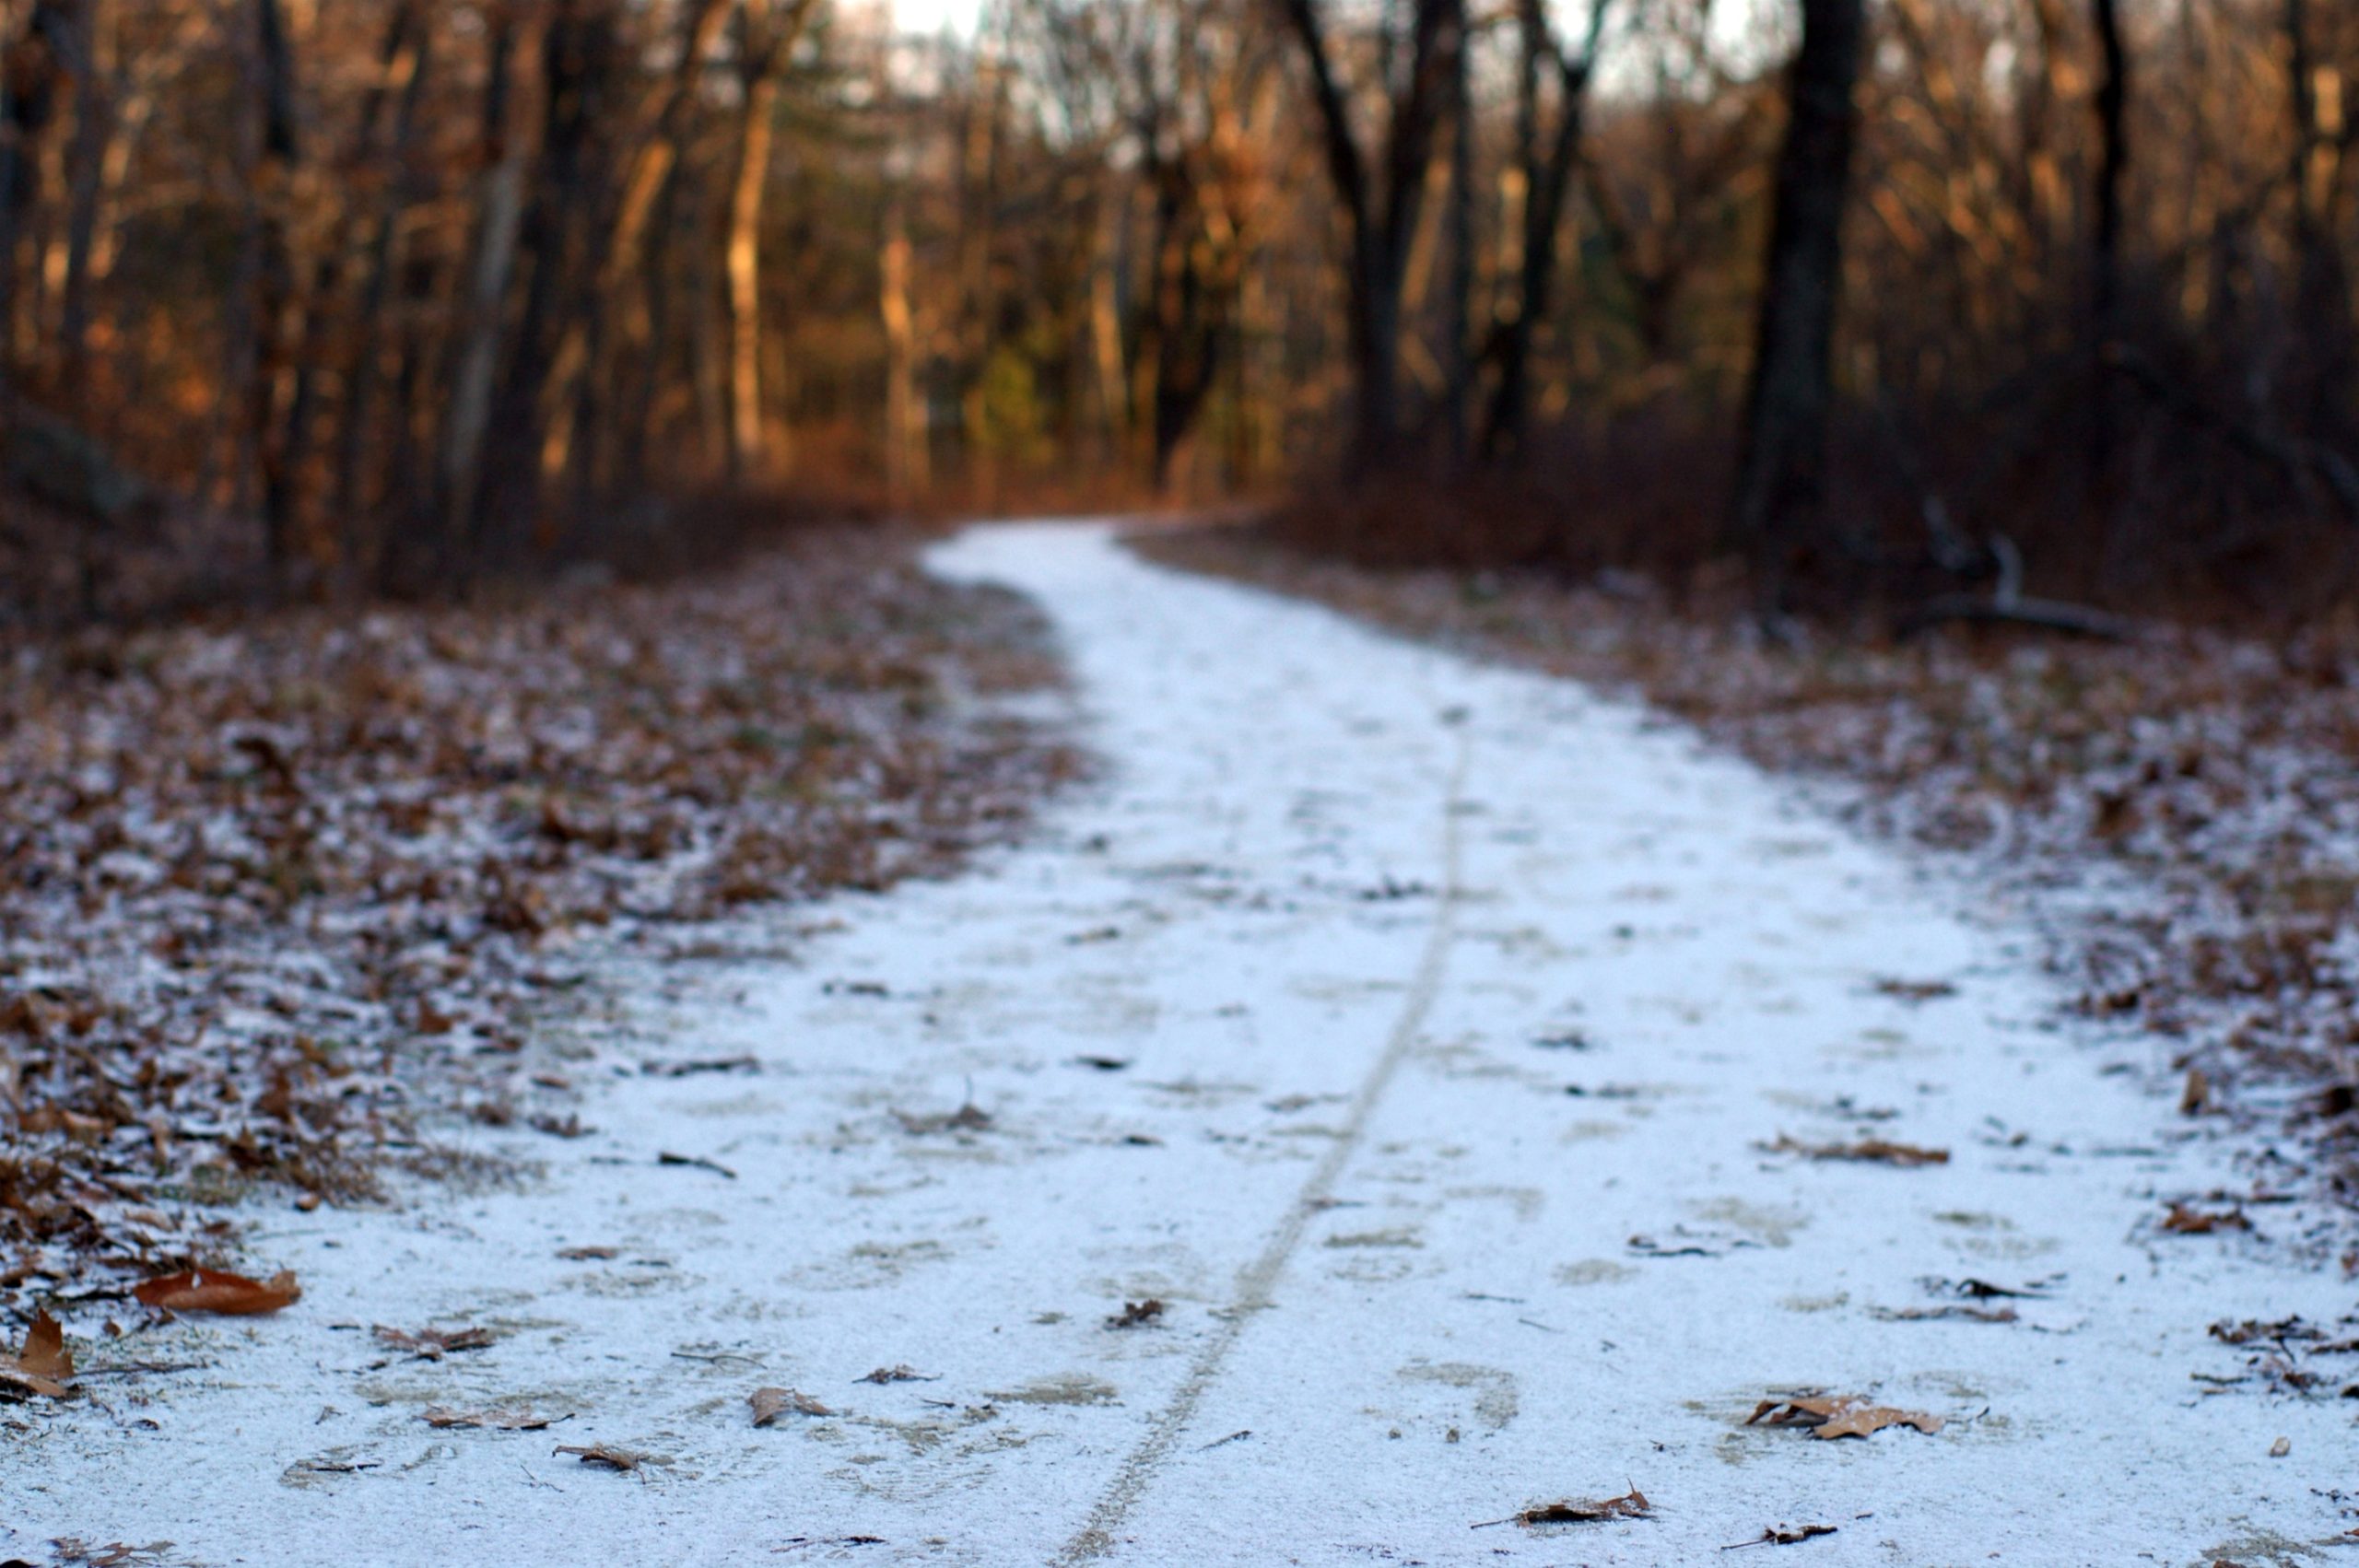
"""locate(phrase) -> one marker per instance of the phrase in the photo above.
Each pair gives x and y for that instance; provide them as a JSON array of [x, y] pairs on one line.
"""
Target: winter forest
[[1917, 296], [1178, 781]]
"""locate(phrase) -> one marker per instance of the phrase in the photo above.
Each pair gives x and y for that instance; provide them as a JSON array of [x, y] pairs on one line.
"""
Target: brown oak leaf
[[1838, 1415], [212, 1290]]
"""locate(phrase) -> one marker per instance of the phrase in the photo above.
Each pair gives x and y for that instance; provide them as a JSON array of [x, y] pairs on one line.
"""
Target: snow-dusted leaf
[[1838, 1415], [433, 1344], [1631, 1504], [2186, 1220], [603, 1455], [214, 1290], [1958, 1310], [499, 1418], [771, 1403], [1783, 1534], [900, 1373], [1880, 1150], [43, 1367], [45, 1354]]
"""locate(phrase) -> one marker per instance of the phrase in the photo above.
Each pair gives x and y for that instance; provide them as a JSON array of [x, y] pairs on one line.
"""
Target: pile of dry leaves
[[2182, 810], [270, 893]]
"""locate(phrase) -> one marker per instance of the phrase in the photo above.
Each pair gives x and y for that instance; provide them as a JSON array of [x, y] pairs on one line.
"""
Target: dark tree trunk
[[406, 63], [581, 56], [2321, 288], [1381, 223], [1458, 348], [1782, 481], [1547, 180], [86, 160], [2113, 165]]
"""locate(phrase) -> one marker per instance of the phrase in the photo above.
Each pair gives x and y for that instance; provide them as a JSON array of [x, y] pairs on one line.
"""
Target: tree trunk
[[1547, 183], [907, 474], [28, 94], [581, 56], [85, 177], [1380, 224], [406, 74], [2113, 164], [576, 359], [508, 152], [1782, 481], [2321, 289], [761, 57], [1458, 348], [275, 341]]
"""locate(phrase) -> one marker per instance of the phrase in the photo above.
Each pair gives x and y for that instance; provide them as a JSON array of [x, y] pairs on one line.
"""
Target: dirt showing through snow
[[1402, 1097]]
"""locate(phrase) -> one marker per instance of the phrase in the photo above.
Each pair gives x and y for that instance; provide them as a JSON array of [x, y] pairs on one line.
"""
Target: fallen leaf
[[969, 1118], [2282, 1448], [1952, 1309], [1838, 1415], [1102, 1063], [2197, 1092], [519, 1417], [599, 1454], [1783, 1534], [43, 1367], [1983, 1289], [1632, 1504], [203, 1290], [45, 1354], [771, 1403], [2184, 1221], [1870, 1149], [1684, 1243], [1913, 990], [902, 1373], [588, 1254], [2230, 1332], [1135, 1313], [433, 1344]]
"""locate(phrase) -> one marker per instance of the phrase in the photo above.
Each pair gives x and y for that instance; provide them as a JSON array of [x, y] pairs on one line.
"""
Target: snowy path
[[1355, 915]]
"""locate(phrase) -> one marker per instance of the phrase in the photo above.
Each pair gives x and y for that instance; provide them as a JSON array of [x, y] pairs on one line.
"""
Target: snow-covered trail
[[1277, 1026]]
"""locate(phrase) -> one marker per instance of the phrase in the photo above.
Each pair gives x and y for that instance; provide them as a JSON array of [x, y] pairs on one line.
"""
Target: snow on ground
[[1353, 918]]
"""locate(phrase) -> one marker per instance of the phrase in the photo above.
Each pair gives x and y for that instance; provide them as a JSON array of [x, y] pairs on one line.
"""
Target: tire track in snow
[[1258, 1279]]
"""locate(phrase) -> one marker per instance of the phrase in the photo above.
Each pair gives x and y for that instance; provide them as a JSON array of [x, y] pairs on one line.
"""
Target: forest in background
[[1927, 298]]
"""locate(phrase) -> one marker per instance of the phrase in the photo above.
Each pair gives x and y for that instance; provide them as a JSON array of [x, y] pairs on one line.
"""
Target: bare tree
[[1380, 194], [1781, 484], [1544, 172]]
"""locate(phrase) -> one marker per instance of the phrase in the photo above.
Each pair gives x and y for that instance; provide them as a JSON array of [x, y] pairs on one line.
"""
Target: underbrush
[[2185, 520]]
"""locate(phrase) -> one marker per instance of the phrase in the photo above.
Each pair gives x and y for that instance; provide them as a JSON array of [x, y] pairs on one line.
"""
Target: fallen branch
[[2045, 615]]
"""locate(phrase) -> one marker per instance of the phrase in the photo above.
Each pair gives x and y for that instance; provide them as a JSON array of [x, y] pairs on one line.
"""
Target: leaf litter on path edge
[[378, 869]]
